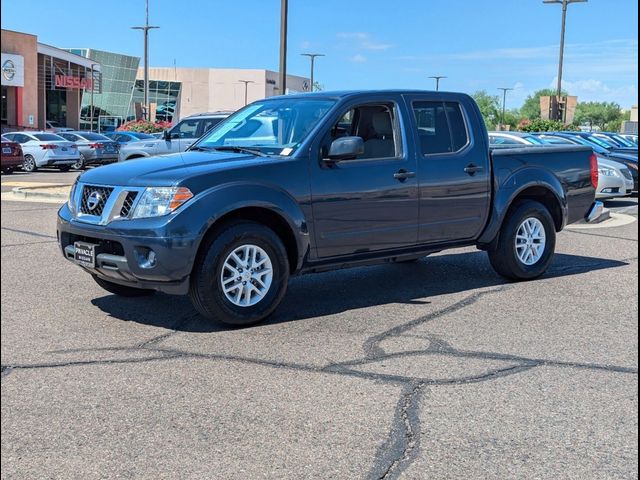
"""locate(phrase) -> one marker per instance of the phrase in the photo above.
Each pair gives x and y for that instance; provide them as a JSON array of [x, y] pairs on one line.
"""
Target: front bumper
[[123, 252]]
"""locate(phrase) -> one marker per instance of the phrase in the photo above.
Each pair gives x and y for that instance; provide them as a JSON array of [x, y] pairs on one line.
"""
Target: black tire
[[81, 164], [206, 285], [29, 164], [504, 259], [7, 171], [122, 290], [65, 168]]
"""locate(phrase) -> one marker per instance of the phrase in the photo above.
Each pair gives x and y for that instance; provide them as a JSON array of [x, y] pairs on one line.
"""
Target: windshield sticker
[[286, 151]]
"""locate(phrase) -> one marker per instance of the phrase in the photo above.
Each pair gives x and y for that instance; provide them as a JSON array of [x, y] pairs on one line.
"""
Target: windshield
[[599, 141], [596, 148], [623, 141], [93, 136], [534, 140], [274, 127], [140, 135]]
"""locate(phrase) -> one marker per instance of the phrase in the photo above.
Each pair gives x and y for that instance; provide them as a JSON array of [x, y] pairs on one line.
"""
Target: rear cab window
[[48, 137], [442, 127]]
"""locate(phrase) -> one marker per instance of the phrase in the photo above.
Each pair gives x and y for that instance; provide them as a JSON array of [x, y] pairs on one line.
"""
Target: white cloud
[[358, 58], [364, 41], [592, 90], [305, 44]]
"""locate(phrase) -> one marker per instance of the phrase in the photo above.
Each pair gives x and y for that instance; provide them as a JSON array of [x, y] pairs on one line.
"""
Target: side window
[[457, 126], [68, 136], [22, 138], [441, 127], [208, 124], [186, 129], [375, 124]]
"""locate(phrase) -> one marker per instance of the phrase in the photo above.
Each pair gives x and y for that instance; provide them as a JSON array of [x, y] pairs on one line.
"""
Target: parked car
[[55, 127], [627, 159], [176, 139], [347, 179], [513, 138], [615, 179], [125, 137], [94, 148], [604, 142], [630, 137], [12, 157], [44, 149], [617, 140]]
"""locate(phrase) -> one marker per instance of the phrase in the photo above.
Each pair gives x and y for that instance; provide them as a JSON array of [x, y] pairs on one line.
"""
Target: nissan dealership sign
[[12, 70]]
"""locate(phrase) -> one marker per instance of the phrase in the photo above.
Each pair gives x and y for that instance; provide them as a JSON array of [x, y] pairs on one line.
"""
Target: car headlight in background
[[159, 201], [607, 172]]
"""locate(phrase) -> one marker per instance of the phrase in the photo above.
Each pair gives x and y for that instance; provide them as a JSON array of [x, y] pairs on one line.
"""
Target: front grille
[[627, 174], [128, 203], [94, 199]]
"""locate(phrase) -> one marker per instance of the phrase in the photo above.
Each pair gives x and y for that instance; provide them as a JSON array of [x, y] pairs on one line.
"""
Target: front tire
[[240, 275], [29, 164], [122, 290], [80, 164], [527, 242]]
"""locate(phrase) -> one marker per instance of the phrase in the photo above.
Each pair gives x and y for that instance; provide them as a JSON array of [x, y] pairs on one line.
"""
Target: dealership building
[[84, 88], [42, 83]]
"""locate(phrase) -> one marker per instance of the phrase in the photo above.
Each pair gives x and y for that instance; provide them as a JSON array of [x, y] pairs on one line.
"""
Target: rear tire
[[7, 171], [29, 164], [122, 290], [247, 300], [521, 253]]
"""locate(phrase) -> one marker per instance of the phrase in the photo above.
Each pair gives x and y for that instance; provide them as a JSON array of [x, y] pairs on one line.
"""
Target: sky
[[369, 44]]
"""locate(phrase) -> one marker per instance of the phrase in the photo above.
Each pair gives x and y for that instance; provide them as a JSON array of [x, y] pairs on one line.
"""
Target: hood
[[167, 170]]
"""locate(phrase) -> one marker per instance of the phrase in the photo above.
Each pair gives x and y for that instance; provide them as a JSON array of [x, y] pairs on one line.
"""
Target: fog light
[[146, 257]]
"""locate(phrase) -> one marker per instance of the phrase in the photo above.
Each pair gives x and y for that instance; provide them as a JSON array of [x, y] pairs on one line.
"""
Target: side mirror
[[166, 134], [345, 148]]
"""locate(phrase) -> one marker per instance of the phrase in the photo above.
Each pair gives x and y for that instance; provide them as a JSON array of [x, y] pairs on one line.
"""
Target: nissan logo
[[8, 70], [93, 201]]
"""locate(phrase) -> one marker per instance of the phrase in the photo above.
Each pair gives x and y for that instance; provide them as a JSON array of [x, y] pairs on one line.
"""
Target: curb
[[40, 192]]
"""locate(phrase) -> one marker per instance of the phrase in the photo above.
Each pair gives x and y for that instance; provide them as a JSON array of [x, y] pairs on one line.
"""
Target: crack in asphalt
[[403, 441], [26, 244], [598, 235], [27, 232]]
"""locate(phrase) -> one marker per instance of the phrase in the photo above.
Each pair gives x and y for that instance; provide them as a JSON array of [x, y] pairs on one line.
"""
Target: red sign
[[73, 82]]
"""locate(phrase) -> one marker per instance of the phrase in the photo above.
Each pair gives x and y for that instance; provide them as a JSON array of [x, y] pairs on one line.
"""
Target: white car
[[614, 179], [44, 149], [513, 138], [177, 139]]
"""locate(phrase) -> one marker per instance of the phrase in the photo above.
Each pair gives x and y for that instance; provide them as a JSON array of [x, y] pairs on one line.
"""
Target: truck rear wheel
[[122, 290], [240, 275], [527, 242]]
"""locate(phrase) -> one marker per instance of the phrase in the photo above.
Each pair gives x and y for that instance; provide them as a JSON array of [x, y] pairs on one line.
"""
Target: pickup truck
[[319, 181]]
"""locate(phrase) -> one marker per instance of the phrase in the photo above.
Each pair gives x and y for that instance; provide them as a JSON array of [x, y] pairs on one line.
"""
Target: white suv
[[177, 139]]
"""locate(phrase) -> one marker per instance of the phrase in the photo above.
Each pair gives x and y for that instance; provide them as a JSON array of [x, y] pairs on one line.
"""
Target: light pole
[[246, 84], [93, 85], [504, 101], [146, 29], [438, 77], [312, 57], [284, 9], [564, 4]]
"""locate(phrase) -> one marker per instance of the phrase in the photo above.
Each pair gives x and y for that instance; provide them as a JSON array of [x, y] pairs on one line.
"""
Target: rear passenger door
[[453, 169]]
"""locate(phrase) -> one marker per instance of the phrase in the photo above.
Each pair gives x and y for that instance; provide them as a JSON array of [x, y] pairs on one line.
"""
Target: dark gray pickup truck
[[313, 182]]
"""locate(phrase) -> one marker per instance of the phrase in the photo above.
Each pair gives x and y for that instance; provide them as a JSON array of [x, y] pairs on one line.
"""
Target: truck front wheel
[[526, 244], [240, 275]]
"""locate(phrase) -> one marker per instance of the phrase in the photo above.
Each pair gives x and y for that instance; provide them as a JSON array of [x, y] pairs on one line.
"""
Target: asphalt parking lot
[[438, 369]]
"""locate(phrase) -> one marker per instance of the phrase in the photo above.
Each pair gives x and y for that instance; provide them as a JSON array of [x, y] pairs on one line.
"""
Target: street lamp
[[146, 29], [504, 101], [284, 8], [564, 4], [438, 77], [312, 57], [246, 84], [93, 85]]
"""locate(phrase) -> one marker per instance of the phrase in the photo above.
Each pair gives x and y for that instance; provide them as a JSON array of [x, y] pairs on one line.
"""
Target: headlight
[[607, 172], [158, 201], [633, 165], [70, 203]]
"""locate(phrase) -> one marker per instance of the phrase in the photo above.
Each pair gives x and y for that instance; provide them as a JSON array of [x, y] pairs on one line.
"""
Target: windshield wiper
[[234, 148], [197, 148]]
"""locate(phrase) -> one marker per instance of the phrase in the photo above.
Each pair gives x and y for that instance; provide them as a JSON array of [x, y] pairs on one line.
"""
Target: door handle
[[402, 175], [471, 169]]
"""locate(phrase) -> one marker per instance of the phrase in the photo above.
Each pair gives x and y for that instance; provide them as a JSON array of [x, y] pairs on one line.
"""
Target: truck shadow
[[339, 291]]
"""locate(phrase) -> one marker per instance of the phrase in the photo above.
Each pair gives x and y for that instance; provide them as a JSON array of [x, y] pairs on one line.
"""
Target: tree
[[531, 107], [541, 125], [489, 106], [605, 115]]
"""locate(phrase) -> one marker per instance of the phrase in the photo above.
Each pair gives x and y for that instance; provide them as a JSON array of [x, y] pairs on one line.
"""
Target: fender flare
[[511, 188]]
